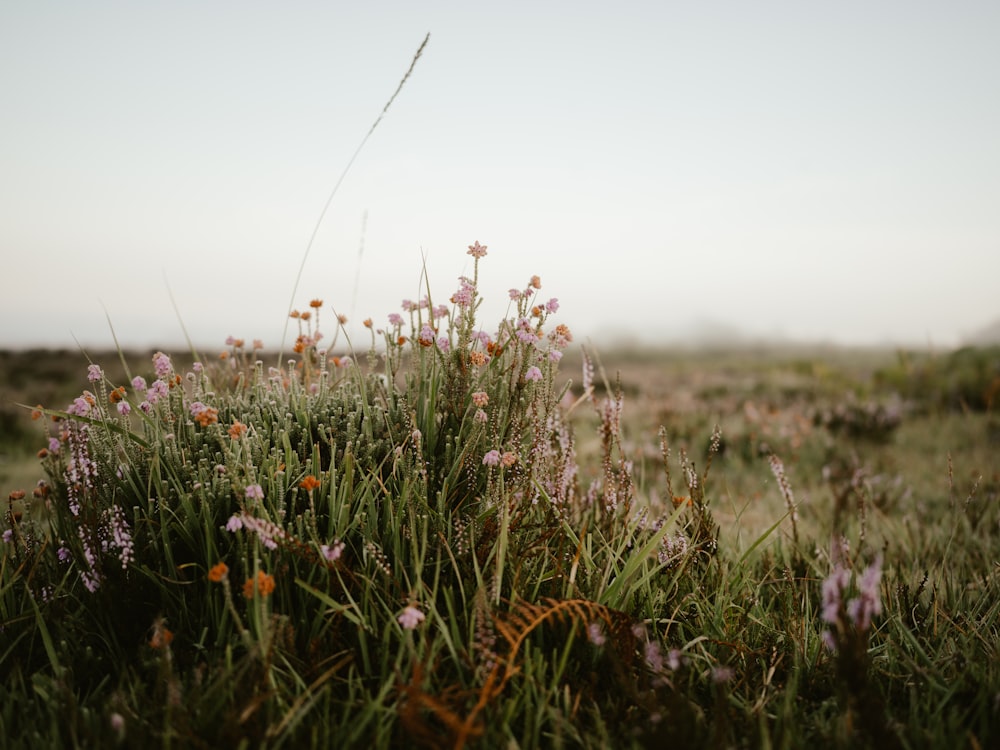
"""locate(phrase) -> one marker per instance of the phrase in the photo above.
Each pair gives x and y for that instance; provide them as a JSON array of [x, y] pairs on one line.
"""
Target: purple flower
[[533, 373], [492, 458], [8, 535], [594, 634], [552, 305], [410, 617], [255, 492], [426, 336], [139, 383], [124, 409], [395, 319], [161, 364], [332, 552], [94, 373], [159, 389], [234, 524], [54, 445]]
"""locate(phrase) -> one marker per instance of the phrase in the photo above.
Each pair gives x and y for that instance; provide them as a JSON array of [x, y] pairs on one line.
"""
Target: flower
[[595, 635], [218, 572], [410, 617], [263, 583], [124, 409], [309, 483], [94, 373], [162, 636], [533, 373], [492, 458], [255, 492], [234, 524], [8, 536], [508, 458], [477, 251], [480, 398], [536, 282], [332, 552], [480, 416], [237, 430], [161, 364]]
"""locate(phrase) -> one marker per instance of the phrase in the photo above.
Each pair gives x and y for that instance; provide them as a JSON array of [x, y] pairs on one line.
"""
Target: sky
[[803, 171]]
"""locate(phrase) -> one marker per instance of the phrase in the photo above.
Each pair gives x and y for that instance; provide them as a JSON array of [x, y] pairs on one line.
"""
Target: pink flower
[[594, 634], [161, 363], [234, 524], [395, 319], [533, 373], [515, 294], [477, 251], [255, 492], [124, 409], [480, 416], [410, 617], [94, 373], [492, 458], [552, 305], [139, 383], [332, 552], [480, 398]]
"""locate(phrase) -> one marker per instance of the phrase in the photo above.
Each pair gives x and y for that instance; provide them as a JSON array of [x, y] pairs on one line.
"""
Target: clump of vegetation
[[967, 378], [405, 548]]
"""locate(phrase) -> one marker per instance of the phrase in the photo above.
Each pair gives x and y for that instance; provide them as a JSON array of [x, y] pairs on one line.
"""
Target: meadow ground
[[464, 544]]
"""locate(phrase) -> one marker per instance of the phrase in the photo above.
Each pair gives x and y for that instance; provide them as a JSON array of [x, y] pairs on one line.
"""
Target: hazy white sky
[[817, 170]]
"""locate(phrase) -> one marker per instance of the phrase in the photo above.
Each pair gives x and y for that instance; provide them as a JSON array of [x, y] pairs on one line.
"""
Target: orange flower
[[368, 322], [218, 572], [536, 282], [294, 314], [238, 430], [264, 585], [117, 395], [679, 501], [36, 413], [316, 303], [477, 358], [309, 483], [401, 340], [342, 319], [162, 636], [208, 415]]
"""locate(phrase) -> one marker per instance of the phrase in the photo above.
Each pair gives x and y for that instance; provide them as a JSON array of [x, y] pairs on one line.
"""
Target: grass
[[453, 540]]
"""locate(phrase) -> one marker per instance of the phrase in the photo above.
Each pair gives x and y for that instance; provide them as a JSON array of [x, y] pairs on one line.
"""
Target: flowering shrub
[[403, 547]]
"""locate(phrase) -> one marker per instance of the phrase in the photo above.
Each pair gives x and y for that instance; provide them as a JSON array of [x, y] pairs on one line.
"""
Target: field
[[456, 542]]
